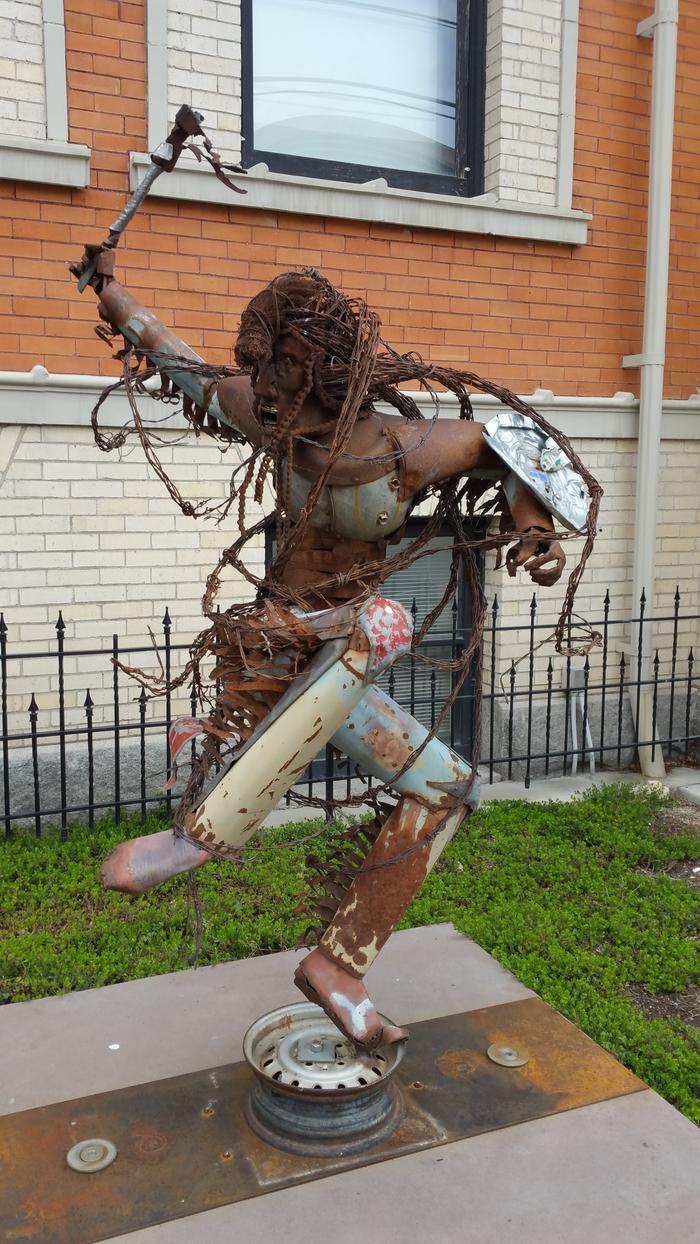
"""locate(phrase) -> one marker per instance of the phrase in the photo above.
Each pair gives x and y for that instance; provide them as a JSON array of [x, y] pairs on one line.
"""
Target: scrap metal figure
[[298, 668]]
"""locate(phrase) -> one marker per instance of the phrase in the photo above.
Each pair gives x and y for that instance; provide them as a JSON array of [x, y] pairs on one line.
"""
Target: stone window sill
[[45, 161], [373, 201]]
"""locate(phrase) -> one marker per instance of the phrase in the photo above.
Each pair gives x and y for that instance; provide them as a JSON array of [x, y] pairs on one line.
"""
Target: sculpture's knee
[[389, 629]]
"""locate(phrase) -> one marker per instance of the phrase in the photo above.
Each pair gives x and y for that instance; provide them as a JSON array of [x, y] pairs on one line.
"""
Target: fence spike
[[60, 625], [606, 601], [3, 625], [167, 620], [88, 701]]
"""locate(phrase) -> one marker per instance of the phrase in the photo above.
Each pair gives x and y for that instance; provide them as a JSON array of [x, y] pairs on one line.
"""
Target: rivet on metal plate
[[91, 1155], [508, 1055]]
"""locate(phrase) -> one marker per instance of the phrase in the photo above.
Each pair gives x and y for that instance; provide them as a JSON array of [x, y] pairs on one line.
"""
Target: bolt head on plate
[[508, 1055], [91, 1155]]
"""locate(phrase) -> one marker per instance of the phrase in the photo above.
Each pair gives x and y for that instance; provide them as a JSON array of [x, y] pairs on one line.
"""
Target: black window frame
[[468, 179]]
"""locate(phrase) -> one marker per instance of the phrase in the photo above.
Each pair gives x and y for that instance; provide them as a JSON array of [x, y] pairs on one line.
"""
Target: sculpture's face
[[280, 378]]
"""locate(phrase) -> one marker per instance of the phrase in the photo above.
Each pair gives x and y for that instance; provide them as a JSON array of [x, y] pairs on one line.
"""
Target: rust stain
[[379, 893], [460, 1064], [150, 1145]]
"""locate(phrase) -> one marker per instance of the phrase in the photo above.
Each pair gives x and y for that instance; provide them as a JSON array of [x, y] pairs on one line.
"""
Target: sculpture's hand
[[539, 554]]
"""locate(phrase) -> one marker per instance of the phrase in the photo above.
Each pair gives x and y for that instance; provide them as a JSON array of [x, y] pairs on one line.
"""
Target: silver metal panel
[[541, 465]]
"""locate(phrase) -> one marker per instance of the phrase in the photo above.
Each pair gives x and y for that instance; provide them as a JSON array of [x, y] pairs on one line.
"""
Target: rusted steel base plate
[[184, 1146]]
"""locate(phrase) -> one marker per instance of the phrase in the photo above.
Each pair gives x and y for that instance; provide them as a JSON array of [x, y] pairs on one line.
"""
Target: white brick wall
[[100, 539], [523, 48], [22, 90], [204, 67]]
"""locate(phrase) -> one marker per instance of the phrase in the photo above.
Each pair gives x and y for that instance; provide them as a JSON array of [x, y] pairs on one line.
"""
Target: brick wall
[[527, 313], [99, 537], [204, 67]]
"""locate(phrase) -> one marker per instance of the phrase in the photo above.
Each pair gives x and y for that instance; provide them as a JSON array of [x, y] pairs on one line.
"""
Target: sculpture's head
[[299, 338]]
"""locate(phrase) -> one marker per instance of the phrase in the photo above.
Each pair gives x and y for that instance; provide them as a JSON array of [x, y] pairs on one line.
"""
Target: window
[[353, 90]]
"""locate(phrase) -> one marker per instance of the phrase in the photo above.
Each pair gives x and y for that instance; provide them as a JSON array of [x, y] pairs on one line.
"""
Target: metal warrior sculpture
[[298, 668]]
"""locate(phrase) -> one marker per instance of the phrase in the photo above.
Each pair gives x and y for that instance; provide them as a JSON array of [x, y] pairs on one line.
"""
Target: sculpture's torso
[[349, 525], [370, 511]]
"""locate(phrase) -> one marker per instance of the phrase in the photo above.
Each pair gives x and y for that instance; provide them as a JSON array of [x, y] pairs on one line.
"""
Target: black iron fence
[[77, 755]]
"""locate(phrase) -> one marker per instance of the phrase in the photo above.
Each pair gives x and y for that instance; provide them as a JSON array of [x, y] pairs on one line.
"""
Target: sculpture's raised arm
[[229, 401]]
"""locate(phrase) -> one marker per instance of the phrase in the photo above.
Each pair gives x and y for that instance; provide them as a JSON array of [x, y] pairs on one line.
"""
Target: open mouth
[[268, 414]]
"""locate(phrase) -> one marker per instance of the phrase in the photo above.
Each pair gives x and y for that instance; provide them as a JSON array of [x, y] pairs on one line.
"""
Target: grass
[[571, 897]]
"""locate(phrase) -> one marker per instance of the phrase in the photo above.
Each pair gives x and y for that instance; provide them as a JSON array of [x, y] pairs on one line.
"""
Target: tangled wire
[[349, 367]]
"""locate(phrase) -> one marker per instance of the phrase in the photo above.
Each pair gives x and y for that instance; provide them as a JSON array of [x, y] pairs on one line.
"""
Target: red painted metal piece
[[389, 628]]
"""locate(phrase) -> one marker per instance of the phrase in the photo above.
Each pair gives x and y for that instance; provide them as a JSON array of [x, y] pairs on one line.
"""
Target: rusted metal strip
[[184, 1146]]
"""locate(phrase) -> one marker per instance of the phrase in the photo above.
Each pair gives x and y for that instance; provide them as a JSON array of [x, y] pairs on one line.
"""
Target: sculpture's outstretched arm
[[460, 447]]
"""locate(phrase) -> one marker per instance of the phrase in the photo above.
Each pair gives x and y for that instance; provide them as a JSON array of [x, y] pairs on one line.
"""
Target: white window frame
[[53, 159]]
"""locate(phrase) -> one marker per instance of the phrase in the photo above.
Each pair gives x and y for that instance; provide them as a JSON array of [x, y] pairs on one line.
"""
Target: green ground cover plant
[[578, 899]]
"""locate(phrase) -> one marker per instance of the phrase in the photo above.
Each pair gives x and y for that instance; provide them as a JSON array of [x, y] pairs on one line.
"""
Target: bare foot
[[142, 863], [345, 1000]]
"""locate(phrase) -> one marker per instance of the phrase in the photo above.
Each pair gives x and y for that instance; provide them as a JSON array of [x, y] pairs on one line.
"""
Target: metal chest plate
[[183, 1145], [369, 512]]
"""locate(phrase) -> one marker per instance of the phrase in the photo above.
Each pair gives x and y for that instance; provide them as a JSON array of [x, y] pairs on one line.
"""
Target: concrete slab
[[99, 1039], [689, 791], [624, 1169], [679, 781]]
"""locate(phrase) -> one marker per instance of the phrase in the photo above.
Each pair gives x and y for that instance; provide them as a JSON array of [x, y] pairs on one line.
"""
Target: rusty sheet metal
[[391, 875], [184, 1147]]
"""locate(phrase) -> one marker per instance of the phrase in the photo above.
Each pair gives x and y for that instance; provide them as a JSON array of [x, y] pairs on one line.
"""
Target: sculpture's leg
[[280, 749], [436, 794], [395, 868], [301, 722]]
